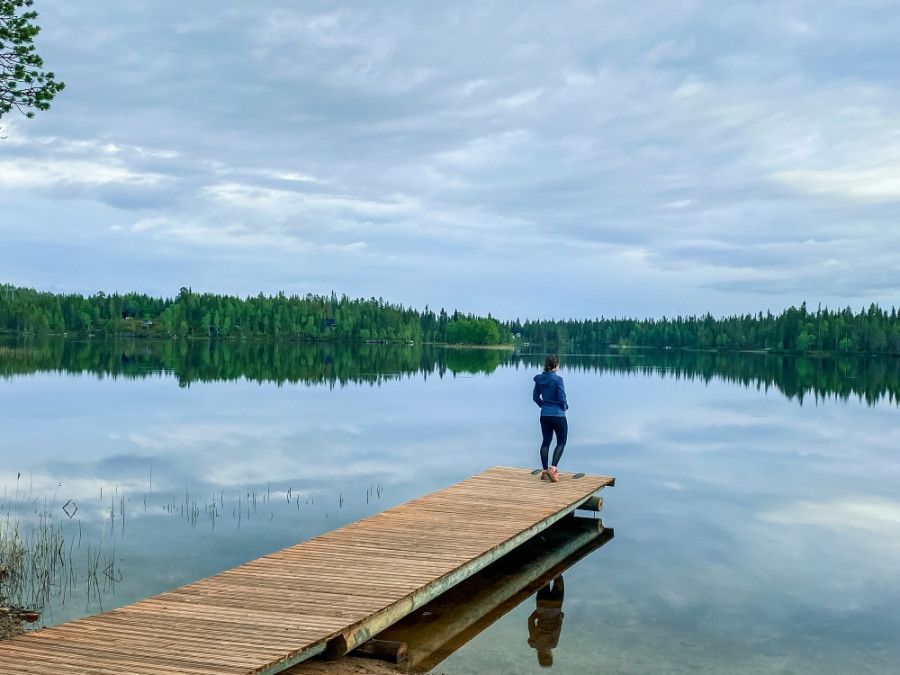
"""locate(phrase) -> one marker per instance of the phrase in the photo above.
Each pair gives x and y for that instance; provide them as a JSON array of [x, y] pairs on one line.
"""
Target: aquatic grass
[[39, 557], [34, 559], [373, 491]]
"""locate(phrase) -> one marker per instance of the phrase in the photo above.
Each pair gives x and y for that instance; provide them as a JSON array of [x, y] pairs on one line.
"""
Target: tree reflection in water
[[870, 379]]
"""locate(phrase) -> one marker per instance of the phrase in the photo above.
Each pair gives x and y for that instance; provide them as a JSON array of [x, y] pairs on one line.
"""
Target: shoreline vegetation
[[12, 616], [310, 318], [315, 318]]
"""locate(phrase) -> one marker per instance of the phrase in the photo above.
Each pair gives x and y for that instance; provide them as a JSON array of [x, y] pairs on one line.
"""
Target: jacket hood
[[545, 376]]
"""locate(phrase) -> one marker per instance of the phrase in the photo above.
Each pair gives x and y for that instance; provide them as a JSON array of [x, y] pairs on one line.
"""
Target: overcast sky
[[528, 159]]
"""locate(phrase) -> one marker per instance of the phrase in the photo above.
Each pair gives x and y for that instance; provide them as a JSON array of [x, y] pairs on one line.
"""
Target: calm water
[[756, 510]]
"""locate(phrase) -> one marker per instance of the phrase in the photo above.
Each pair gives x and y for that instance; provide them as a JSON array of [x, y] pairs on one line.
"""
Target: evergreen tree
[[24, 84]]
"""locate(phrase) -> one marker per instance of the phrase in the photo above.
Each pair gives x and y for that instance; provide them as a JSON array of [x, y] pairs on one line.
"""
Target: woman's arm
[[562, 395]]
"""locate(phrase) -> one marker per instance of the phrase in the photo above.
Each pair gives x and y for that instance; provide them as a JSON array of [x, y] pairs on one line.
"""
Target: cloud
[[743, 156], [146, 224], [865, 185], [34, 173], [690, 88], [284, 202], [290, 176], [519, 100], [494, 149]]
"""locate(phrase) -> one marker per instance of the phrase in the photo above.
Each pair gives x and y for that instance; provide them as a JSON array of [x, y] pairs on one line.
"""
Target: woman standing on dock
[[550, 396]]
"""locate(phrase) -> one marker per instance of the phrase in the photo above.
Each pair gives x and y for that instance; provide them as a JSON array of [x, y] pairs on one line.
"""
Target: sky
[[573, 159]]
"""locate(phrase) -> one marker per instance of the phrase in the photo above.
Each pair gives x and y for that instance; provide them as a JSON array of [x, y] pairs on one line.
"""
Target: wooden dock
[[451, 620], [331, 593]]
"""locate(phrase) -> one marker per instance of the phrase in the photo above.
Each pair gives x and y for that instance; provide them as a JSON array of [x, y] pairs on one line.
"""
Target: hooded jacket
[[550, 394]]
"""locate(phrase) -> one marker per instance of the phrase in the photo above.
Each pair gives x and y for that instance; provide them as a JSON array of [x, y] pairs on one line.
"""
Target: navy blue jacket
[[550, 394]]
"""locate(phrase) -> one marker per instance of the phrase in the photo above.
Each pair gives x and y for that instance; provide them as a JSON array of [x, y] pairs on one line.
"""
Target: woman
[[550, 396]]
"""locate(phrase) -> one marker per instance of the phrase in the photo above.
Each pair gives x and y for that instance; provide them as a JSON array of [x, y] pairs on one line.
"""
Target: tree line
[[189, 314], [795, 330], [332, 318]]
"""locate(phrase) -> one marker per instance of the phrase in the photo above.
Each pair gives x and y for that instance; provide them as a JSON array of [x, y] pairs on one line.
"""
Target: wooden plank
[[338, 589]]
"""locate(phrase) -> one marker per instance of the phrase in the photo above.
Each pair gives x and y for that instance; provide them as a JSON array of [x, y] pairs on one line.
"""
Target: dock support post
[[383, 650], [594, 503]]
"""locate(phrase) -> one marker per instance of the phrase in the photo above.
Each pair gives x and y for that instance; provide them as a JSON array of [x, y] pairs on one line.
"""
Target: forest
[[795, 330], [189, 314], [25, 311]]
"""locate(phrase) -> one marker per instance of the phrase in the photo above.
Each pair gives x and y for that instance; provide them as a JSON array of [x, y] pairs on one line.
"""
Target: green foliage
[[331, 318], [474, 331], [23, 82], [307, 318], [871, 331]]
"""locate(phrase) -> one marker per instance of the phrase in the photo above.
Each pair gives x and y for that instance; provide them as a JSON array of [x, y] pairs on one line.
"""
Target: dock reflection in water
[[447, 623]]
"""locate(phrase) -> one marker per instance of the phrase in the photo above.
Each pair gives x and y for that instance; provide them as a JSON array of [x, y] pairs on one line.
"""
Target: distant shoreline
[[510, 347], [244, 339], [560, 349]]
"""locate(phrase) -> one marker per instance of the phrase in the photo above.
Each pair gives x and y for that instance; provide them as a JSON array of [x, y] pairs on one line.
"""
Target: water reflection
[[870, 379], [796, 377], [219, 360], [449, 622], [545, 622]]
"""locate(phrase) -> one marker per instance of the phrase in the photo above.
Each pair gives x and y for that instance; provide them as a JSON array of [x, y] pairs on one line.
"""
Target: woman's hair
[[551, 362]]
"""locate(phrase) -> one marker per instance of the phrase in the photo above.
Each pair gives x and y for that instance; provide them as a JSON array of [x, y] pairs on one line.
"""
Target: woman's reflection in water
[[545, 622]]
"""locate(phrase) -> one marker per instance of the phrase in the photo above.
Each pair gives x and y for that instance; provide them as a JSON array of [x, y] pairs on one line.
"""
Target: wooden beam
[[594, 503], [383, 650], [293, 660]]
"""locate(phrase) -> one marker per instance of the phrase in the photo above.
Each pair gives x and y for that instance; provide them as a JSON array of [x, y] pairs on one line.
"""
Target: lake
[[756, 509]]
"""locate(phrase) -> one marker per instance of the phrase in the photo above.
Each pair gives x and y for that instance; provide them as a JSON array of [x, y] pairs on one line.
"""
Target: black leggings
[[549, 426]]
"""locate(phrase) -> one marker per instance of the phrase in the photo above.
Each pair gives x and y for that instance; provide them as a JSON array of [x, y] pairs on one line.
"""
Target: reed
[[34, 558]]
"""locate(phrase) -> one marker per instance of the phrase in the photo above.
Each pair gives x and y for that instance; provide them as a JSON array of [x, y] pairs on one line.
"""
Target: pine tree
[[24, 84]]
